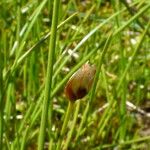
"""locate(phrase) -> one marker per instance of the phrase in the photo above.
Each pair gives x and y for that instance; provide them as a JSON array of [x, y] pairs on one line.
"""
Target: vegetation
[[43, 43]]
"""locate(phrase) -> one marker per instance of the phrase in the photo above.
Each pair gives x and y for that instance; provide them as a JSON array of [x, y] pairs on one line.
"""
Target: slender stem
[[64, 127], [1, 101], [94, 85], [142, 139], [47, 94], [116, 5], [72, 126], [82, 121]]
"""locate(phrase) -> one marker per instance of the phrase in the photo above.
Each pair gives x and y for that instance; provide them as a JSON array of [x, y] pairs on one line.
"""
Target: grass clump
[[42, 44]]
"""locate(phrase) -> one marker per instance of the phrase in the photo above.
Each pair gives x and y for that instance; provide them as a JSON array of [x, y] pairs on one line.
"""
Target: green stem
[[82, 121], [94, 85], [64, 127], [72, 126], [142, 139], [1, 101], [48, 83]]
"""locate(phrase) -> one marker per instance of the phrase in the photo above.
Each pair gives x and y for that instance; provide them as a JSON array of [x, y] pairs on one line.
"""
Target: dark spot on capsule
[[81, 92]]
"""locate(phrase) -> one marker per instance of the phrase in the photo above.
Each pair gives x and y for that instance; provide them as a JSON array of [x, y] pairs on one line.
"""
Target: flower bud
[[80, 82]]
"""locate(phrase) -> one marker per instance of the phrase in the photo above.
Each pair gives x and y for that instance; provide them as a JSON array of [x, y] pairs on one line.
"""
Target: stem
[[64, 127], [47, 95], [72, 126], [1, 101], [85, 115]]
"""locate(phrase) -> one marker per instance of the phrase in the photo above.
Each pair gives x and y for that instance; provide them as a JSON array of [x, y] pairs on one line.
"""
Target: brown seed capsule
[[80, 82]]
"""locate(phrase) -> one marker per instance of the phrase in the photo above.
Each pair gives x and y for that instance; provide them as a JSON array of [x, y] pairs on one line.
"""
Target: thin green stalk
[[47, 104], [50, 147], [117, 6], [22, 147], [22, 138], [82, 121], [102, 56], [68, 140], [94, 85], [26, 117], [64, 127], [9, 102], [146, 138], [1, 101], [108, 112], [119, 145], [18, 21], [133, 57]]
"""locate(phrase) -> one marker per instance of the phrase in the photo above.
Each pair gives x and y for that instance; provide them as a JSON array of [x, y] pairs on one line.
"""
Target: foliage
[[36, 62]]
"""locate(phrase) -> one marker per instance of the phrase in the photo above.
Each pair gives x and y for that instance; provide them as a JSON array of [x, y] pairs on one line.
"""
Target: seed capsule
[[80, 82]]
